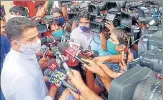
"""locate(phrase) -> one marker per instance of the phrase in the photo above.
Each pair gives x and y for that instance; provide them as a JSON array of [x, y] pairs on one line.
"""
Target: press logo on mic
[[57, 77], [71, 53], [74, 45], [52, 65]]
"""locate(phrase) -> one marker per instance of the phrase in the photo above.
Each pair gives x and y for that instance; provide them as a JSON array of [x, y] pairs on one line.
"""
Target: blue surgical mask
[[60, 20], [84, 28], [111, 47], [58, 33]]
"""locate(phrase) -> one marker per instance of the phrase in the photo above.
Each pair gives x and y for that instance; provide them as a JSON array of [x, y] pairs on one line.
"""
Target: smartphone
[[110, 17], [126, 51]]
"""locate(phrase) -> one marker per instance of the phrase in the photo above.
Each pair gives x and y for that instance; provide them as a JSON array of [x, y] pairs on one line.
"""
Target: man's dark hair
[[16, 26], [19, 9], [122, 36], [55, 22], [56, 10], [84, 14]]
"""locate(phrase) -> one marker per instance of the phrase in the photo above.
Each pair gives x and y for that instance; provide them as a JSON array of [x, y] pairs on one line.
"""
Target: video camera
[[138, 83], [142, 81], [150, 42], [109, 11], [74, 10]]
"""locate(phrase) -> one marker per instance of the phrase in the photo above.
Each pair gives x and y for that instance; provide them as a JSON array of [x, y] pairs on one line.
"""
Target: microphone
[[52, 64], [44, 50], [75, 45], [61, 47], [48, 39], [70, 52], [58, 55], [57, 38], [58, 78]]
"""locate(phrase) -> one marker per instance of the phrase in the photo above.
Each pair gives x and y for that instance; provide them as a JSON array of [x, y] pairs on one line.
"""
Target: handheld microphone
[[58, 78], [58, 55], [75, 45], [48, 39], [73, 53], [52, 65], [63, 46], [70, 52], [44, 50]]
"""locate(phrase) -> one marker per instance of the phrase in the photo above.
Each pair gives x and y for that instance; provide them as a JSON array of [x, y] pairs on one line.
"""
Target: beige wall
[[7, 5]]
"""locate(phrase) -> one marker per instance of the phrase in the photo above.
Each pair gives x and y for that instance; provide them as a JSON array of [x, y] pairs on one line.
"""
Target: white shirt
[[84, 38], [22, 78]]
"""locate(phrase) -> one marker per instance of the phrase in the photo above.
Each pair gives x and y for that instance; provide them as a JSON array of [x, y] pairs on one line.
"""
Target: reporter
[[123, 66], [117, 42], [76, 79], [82, 33], [94, 68], [100, 82], [57, 28], [58, 15]]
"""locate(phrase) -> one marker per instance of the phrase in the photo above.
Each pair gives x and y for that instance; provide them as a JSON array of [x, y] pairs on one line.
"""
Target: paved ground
[[7, 5]]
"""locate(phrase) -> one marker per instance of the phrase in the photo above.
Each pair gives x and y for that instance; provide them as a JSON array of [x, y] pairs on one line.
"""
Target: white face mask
[[31, 48], [12, 16]]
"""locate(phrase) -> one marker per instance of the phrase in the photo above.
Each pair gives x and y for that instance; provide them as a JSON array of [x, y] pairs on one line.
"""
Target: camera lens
[[148, 89]]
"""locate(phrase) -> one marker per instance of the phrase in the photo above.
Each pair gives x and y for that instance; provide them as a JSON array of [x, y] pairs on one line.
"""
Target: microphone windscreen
[[44, 48], [50, 39], [52, 64], [58, 38], [47, 72], [62, 46], [44, 40]]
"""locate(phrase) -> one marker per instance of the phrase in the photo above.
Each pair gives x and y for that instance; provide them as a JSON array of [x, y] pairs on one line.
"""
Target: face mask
[[31, 48], [84, 28], [112, 47], [12, 16], [58, 33], [60, 20]]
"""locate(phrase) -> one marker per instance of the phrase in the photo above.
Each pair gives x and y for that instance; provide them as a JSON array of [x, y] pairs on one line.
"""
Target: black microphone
[[48, 39], [44, 50], [58, 78], [58, 38]]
